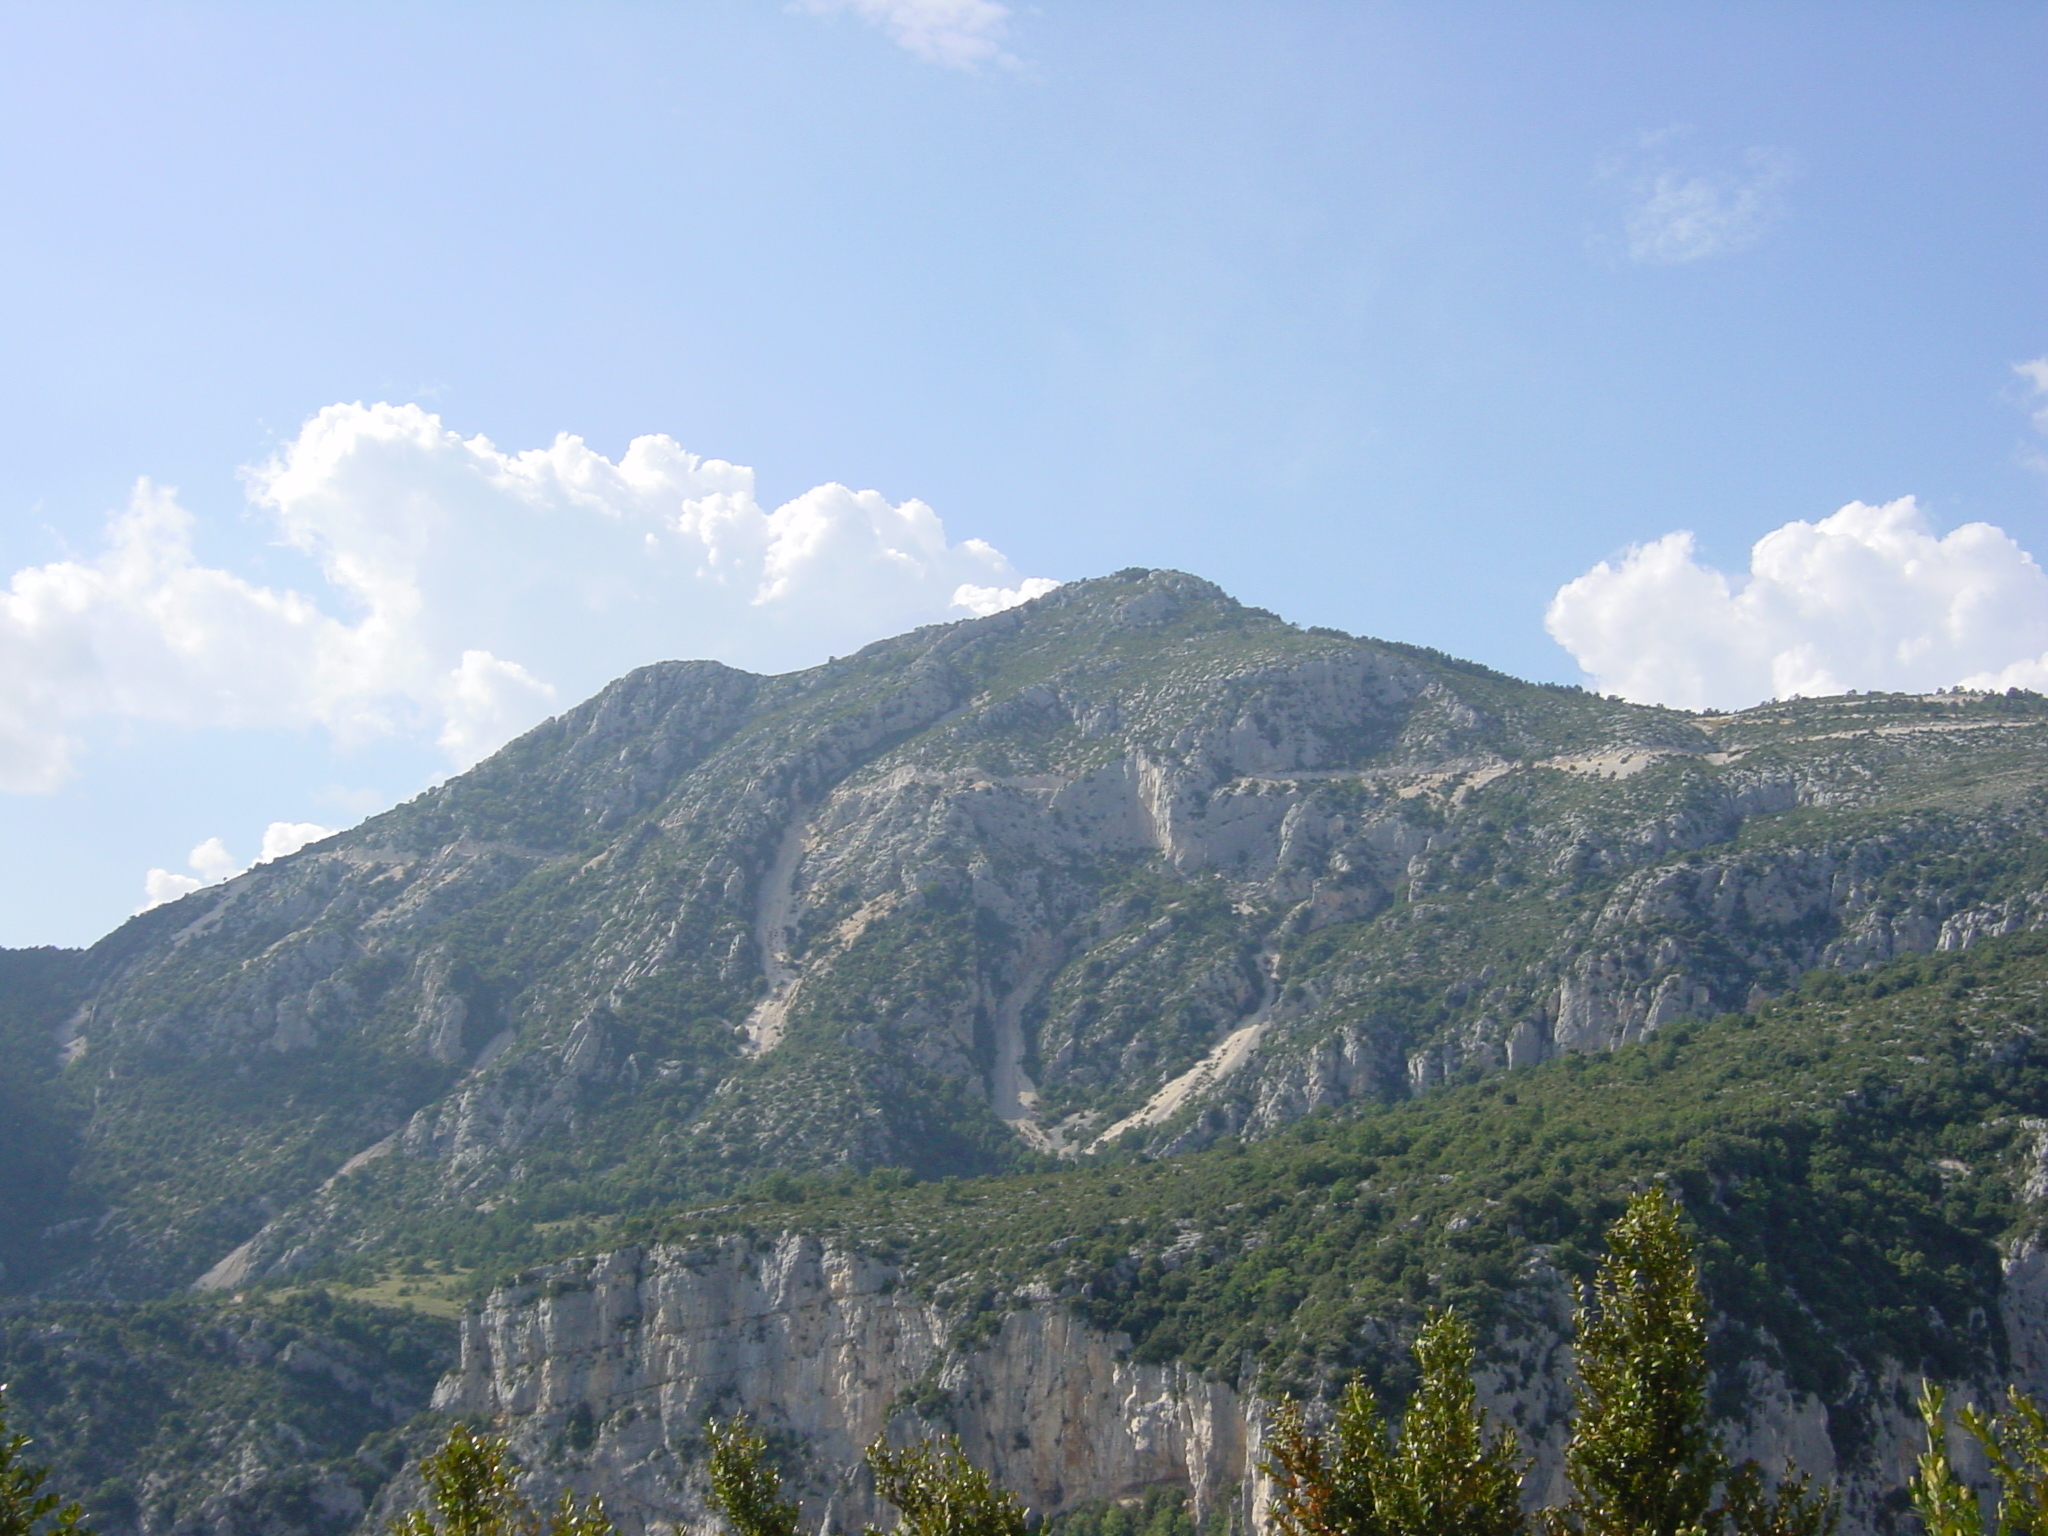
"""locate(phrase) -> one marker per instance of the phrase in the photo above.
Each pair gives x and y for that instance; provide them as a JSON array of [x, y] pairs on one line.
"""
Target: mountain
[[1125, 873], [1864, 1162], [1132, 864]]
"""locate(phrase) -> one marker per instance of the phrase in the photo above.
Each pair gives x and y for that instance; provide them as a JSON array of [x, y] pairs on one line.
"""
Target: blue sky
[[1428, 321]]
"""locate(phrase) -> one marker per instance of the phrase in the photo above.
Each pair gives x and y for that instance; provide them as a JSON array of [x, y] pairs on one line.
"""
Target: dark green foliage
[[2014, 1441], [38, 1130], [1443, 1475], [1795, 1507], [472, 1490], [1643, 1459], [1851, 1167], [939, 1492], [1161, 1511], [746, 1489], [25, 1508], [146, 1413]]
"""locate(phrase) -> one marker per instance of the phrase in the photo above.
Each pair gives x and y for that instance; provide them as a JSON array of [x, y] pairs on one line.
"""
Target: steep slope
[[1131, 865], [196, 1417], [39, 988], [1865, 1164]]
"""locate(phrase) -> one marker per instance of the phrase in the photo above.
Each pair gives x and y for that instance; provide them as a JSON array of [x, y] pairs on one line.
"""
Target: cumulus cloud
[[983, 601], [162, 885], [1869, 598], [1674, 214], [466, 591], [961, 34], [281, 839], [212, 862]]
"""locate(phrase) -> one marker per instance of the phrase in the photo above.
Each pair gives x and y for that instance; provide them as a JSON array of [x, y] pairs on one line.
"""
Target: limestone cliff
[[603, 1373]]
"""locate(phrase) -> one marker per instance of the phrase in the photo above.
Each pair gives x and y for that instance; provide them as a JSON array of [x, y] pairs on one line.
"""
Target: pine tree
[[747, 1491], [1443, 1476], [941, 1493], [25, 1510]]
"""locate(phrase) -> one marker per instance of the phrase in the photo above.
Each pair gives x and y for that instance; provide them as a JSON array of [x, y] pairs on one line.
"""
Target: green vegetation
[[1443, 1473], [1642, 1458], [1083, 842], [746, 1489], [1159, 1511], [145, 1413], [933, 1485], [2014, 1442], [472, 1491], [1852, 1157], [25, 1508], [939, 1492]]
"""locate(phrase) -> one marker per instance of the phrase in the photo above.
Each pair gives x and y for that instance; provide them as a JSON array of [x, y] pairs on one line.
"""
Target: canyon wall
[[603, 1374]]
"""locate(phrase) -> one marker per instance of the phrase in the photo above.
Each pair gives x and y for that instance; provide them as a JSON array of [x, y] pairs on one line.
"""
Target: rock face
[[603, 1372], [1129, 864], [608, 1371]]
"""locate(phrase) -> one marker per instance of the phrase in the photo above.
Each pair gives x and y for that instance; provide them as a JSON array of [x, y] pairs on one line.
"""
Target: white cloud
[[2035, 372], [213, 863], [1868, 598], [961, 34], [468, 591], [281, 839], [161, 885], [1676, 214], [983, 601]]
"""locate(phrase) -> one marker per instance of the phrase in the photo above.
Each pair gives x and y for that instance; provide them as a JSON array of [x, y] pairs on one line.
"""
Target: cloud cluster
[[1869, 598], [212, 862], [466, 591], [961, 34], [1676, 214]]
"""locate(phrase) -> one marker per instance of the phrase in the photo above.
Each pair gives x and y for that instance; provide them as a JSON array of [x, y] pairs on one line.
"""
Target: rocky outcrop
[[604, 1372]]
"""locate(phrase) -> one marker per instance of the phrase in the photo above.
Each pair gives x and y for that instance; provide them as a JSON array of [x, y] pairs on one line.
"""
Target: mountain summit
[[1128, 865]]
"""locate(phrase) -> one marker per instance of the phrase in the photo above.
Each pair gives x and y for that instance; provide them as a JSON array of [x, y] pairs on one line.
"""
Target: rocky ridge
[[1131, 864]]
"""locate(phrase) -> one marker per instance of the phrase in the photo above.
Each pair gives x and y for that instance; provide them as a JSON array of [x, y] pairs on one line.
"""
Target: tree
[[2015, 1446], [25, 1509], [1643, 1459], [941, 1493], [1794, 1508], [1443, 1476], [747, 1491], [473, 1491]]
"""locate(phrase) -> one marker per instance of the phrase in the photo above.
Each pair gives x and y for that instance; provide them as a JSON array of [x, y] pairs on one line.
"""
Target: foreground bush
[[25, 1510], [471, 1491]]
